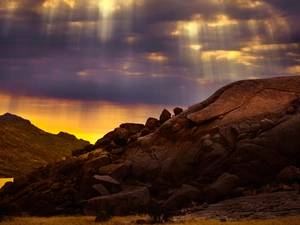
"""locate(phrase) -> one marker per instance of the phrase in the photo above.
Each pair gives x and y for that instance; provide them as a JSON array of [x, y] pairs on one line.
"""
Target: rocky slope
[[24, 147], [241, 141]]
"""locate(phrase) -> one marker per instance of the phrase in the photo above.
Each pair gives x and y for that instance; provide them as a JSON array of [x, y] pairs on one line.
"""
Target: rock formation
[[242, 139]]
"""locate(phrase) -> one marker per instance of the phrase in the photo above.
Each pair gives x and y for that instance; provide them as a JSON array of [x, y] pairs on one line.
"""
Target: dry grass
[[282, 221], [51, 221], [131, 220], [4, 180]]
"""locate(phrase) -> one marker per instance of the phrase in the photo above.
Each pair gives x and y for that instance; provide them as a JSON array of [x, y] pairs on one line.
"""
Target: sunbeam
[[137, 53], [11, 6], [206, 41]]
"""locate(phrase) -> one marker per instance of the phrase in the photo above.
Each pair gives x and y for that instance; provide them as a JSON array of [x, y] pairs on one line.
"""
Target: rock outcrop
[[243, 140]]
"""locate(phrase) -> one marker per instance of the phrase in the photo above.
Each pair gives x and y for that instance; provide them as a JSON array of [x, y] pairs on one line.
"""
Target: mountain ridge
[[25, 147]]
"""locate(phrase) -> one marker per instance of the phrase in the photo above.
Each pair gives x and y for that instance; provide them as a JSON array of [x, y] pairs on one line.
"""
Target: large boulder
[[121, 136], [129, 200], [98, 162], [111, 184], [288, 175], [182, 198], [92, 186], [116, 171], [164, 116], [132, 128], [152, 123], [101, 189], [177, 111], [222, 187]]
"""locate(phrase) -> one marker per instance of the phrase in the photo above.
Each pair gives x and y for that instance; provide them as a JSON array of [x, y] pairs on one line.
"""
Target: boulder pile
[[243, 140]]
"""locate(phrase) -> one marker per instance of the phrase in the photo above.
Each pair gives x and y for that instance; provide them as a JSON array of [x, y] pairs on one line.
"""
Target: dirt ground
[[263, 206]]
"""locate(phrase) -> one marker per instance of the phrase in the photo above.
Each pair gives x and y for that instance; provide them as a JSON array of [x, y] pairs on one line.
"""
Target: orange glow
[[294, 70], [157, 57], [86, 120], [11, 5], [195, 47], [131, 40], [4, 180], [83, 73], [55, 3], [222, 20]]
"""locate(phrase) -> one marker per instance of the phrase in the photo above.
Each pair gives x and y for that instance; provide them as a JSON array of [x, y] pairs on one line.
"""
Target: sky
[[86, 66]]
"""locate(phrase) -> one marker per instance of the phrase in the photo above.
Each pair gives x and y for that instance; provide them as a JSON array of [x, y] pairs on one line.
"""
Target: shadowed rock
[[177, 111], [132, 128], [116, 171], [222, 187], [121, 136], [164, 116], [119, 204], [182, 198], [242, 140]]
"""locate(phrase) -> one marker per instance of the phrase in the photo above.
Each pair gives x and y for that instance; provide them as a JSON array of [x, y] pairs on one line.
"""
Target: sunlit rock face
[[237, 140]]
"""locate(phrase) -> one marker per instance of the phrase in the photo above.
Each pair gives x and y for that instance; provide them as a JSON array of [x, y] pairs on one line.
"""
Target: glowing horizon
[[86, 120], [70, 56]]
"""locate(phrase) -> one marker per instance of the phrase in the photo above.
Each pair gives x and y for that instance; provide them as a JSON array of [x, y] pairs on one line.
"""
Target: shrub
[[157, 213]]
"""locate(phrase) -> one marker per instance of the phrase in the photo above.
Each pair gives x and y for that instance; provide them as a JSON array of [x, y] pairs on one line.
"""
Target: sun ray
[[213, 58], [10, 6]]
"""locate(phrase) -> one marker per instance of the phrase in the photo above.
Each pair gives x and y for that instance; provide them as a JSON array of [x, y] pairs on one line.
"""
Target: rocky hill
[[24, 147], [241, 141]]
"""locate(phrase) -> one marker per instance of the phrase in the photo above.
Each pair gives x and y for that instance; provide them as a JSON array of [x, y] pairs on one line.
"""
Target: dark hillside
[[24, 147]]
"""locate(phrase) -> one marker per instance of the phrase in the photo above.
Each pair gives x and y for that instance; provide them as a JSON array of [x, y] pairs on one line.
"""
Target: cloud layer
[[143, 51]]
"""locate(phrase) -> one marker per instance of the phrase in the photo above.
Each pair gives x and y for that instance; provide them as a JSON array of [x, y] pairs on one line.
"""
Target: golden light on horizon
[[87, 120]]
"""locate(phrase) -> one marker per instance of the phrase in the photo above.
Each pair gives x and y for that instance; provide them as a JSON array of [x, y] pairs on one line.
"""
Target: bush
[[103, 216], [157, 213]]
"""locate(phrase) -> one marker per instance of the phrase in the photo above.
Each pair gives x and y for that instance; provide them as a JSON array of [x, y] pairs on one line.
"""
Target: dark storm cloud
[[148, 54], [137, 90], [287, 7], [174, 10]]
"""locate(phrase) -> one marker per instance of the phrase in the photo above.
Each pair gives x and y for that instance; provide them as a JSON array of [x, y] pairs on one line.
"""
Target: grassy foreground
[[131, 220]]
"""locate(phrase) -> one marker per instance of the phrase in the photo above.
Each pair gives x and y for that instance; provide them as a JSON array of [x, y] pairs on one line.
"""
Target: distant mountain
[[24, 147]]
